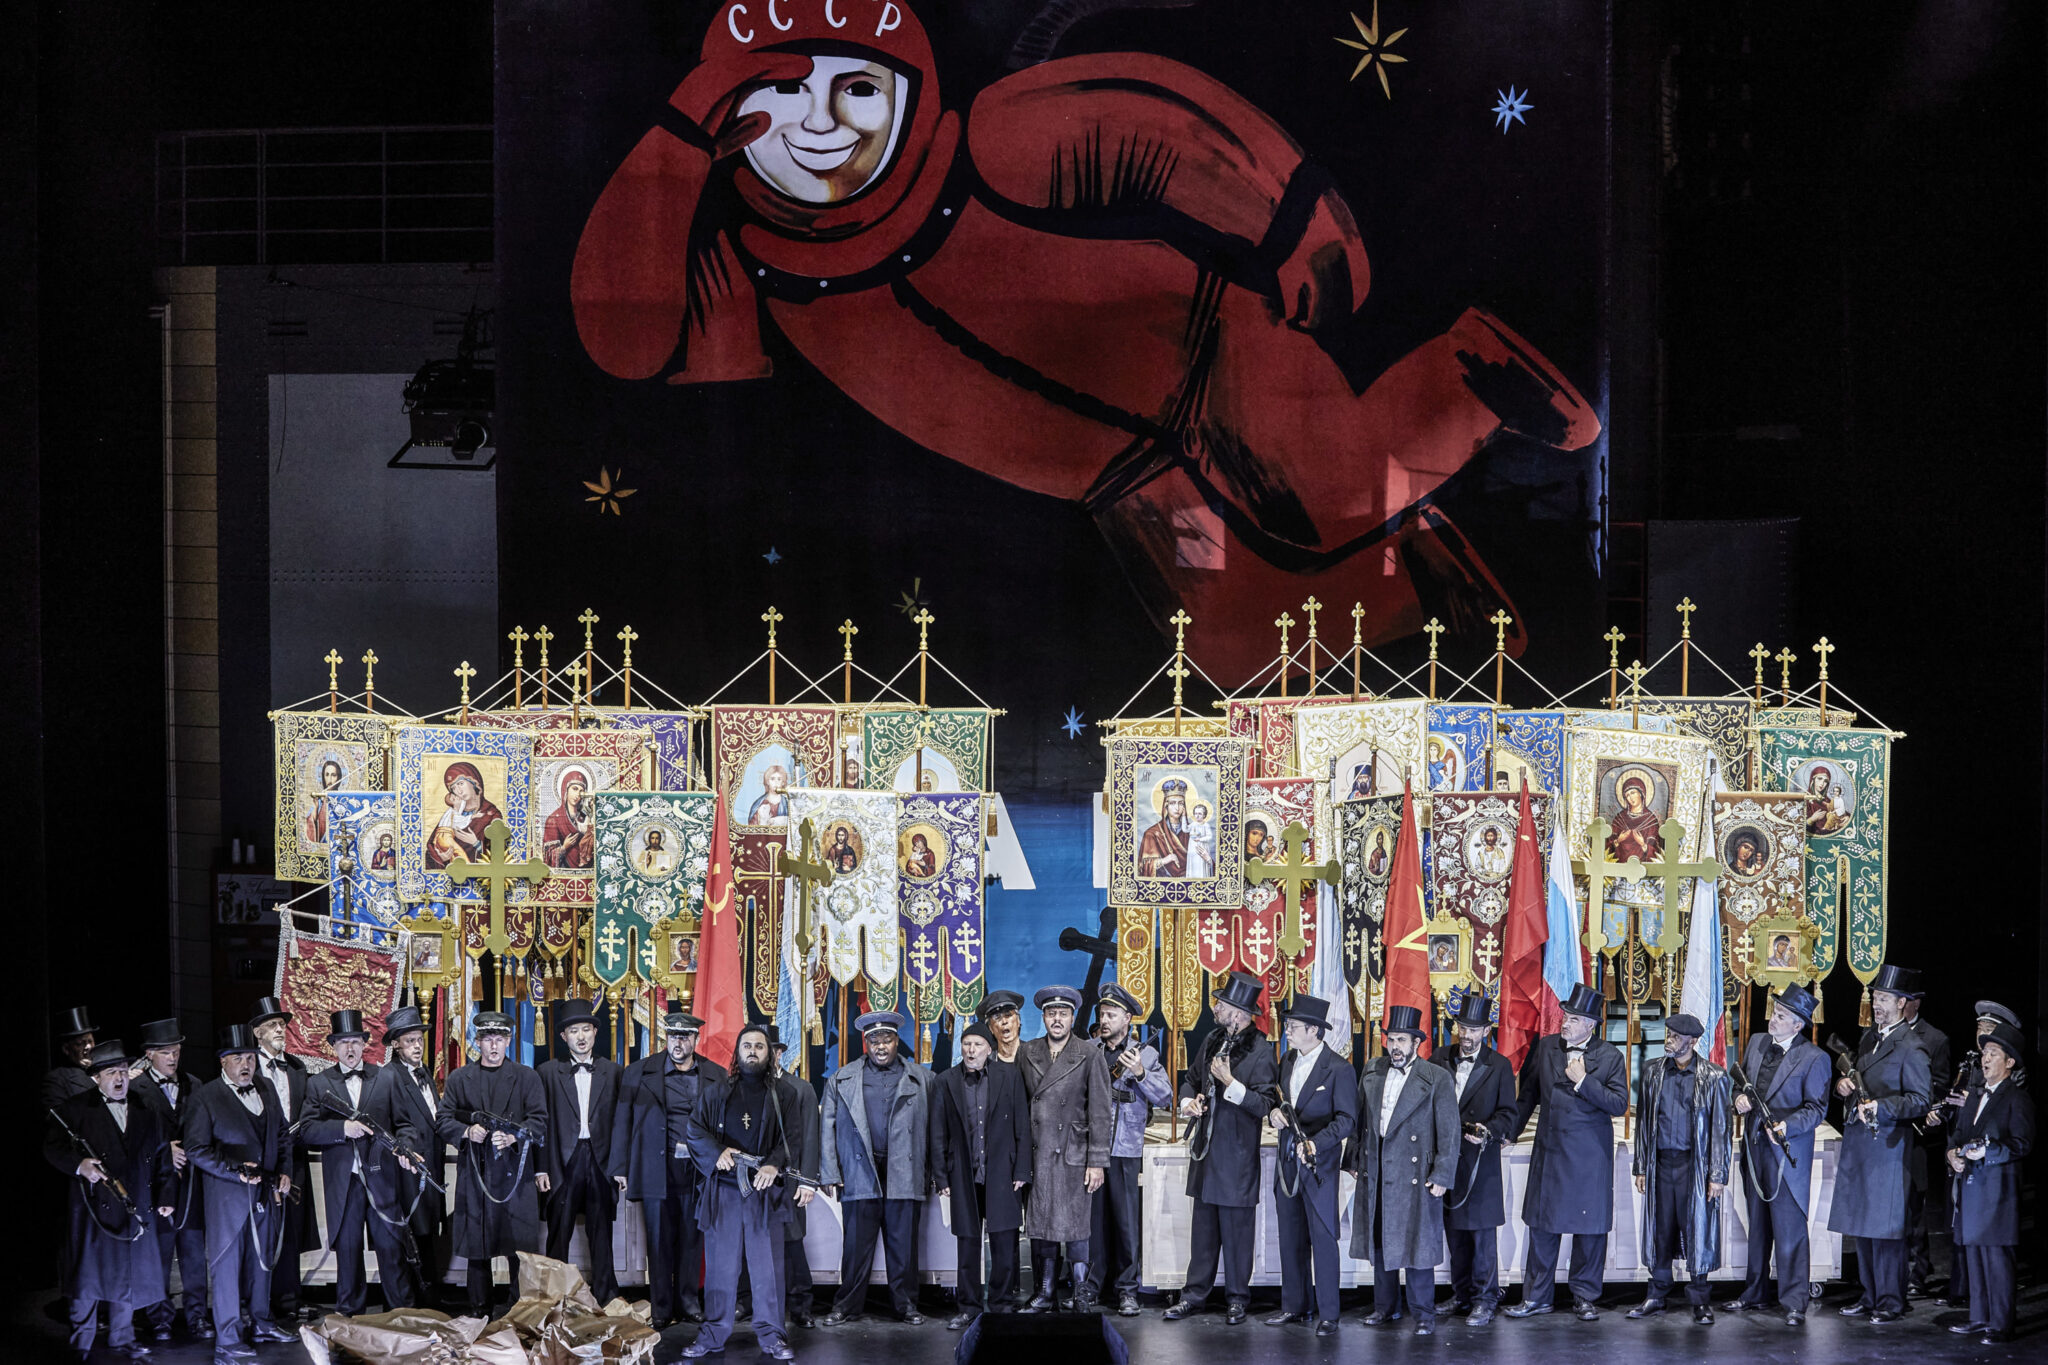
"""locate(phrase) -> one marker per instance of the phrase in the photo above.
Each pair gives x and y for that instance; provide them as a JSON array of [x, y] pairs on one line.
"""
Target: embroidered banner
[[452, 783], [1455, 749], [1276, 753], [1843, 775], [1636, 780], [758, 891], [1367, 831], [1471, 853], [1760, 840], [856, 914], [955, 750], [1176, 822], [317, 975], [1134, 942], [318, 752], [760, 753], [670, 731], [653, 855], [1271, 805], [570, 769], [939, 892], [1723, 722], [1803, 717], [1530, 744], [362, 864], [1361, 749]]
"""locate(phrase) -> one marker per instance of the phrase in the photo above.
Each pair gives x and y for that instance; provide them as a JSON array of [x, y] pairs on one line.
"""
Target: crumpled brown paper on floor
[[555, 1322]]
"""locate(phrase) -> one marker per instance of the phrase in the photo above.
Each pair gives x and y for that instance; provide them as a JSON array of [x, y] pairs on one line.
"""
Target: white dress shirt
[[582, 1103], [279, 1076], [1298, 1078], [1396, 1082], [119, 1109], [353, 1083], [165, 1084], [1983, 1100], [251, 1101], [1465, 1065]]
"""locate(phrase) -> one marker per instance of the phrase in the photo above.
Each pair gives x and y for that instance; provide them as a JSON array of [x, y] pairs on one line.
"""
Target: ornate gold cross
[[576, 677], [518, 636], [1636, 672], [543, 635], [1294, 874], [497, 873], [465, 673], [370, 680], [1685, 609], [1670, 868], [811, 874], [1500, 621], [774, 618], [589, 620], [1312, 607], [1432, 630], [1180, 621], [1759, 654], [1613, 637], [1786, 658], [924, 619], [847, 632], [626, 639], [1357, 644], [1598, 870], [1285, 622], [333, 662], [1823, 649]]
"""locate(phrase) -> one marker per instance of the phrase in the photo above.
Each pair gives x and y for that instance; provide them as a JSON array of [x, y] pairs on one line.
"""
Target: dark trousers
[[1225, 1231], [1881, 1266], [235, 1277], [1991, 1285], [85, 1319], [740, 1236], [187, 1246], [1958, 1290], [1421, 1293], [675, 1246], [1588, 1273], [1673, 1211], [896, 1222], [1002, 1259], [1919, 1262], [1778, 1223], [284, 1276], [1308, 1246], [346, 1226], [478, 1276], [797, 1289], [587, 1190], [1475, 1265], [1113, 1214]]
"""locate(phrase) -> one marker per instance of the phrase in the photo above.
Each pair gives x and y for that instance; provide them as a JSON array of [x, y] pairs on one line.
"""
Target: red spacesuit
[[1105, 282]]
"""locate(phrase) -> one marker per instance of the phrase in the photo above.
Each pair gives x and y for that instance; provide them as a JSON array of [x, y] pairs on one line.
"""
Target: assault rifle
[[97, 1192], [1845, 1062], [385, 1140], [1762, 1110]]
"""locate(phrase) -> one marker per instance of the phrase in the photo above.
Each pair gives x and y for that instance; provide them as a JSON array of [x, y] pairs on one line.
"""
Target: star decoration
[[1374, 47], [1072, 724], [773, 556], [913, 599], [1512, 106], [605, 494]]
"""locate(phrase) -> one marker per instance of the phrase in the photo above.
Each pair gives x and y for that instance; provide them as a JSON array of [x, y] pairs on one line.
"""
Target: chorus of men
[[1038, 1142]]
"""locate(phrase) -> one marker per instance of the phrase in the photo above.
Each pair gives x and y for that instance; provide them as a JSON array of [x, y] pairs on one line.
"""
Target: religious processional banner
[[1176, 822], [1360, 749], [452, 783], [760, 753], [758, 894], [938, 852], [1530, 744], [1276, 752], [362, 862], [653, 856], [1471, 853], [1760, 840], [1271, 805], [1622, 720], [670, 731], [955, 750], [1635, 781], [854, 836], [570, 769], [318, 975], [1803, 717], [1723, 722], [1842, 774], [1455, 751], [1368, 831], [318, 752]]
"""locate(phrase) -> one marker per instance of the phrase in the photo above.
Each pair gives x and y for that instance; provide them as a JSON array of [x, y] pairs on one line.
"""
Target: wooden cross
[[1598, 870], [1823, 649], [1685, 610], [1669, 867], [543, 635], [1759, 654], [1294, 874], [1500, 621], [626, 638], [811, 873], [1357, 644], [497, 873], [370, 680], [1312, 607], [1432, 630], [518, 636], [333, 661], [1285, 622], [465, 673], [1786, 658]]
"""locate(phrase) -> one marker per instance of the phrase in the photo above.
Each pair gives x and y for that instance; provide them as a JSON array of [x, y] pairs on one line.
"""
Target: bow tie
[[245, 1089], [112, 1102], [355, 1075], [581, 1066]]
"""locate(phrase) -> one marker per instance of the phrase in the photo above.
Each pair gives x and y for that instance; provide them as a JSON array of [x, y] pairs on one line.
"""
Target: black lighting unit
[[449, 404]]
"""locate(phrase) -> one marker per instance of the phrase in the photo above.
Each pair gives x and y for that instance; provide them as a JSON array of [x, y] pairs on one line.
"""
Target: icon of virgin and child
[[1181, 844]]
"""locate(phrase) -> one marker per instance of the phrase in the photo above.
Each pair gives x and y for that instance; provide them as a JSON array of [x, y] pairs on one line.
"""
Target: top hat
[[1685, 1026], [680, 1020], [405, 1019], [2005, 1036], [1113, 994], [774, 1033], [1405, 1019], [1051, 996], [109, 1053], [995, 1002], [1242, 989], [575, 1012], [1585, 1002], [1474, 1011], [1307, 1009], [161, 1033], [1902, 981], [346, 1024], [1997, 1013], [879, 1019], [1800, 1001], [75, 1023], [236, 1038], [493, 1021], [268, 1008]]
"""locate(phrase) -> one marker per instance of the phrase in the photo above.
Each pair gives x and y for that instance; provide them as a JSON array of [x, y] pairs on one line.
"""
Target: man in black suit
[[1992, 1134], [1319, 1116], [1874, 1179], [651, 1156], [1927, 1163], [1580, 1082], [359, 1178], [404, 1102], [1791, 1075], [285, 1077], [1484, 1086], [234, 1134], [115, 1148], [167, 1089], [981, 1157], [583, 1092], [74, 1044]]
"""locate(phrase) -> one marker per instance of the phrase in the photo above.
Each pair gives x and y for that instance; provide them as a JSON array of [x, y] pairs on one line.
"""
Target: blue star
[[772, 557], [1513, 104], [1072, 724]]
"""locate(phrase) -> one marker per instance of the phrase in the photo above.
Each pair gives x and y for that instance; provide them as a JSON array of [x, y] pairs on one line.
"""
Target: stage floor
[[1921, 1338]]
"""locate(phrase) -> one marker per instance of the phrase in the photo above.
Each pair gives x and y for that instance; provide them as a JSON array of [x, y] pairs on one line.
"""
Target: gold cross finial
[[626, 638], [1357, 624], [518, 636], [1823, 649], [1179, 673], [1500, 621], [1636, 673], [1311, 607], [1685, 609], [543, 635], [589, 619], [575, 672], [1759, 653], [848, 631], [924, 619], [774, 619], [1285, 622], [333, 662], [1432, 630], [1786, 658], [1614, 637], [465, 673], [1180, 621], [370, 670]]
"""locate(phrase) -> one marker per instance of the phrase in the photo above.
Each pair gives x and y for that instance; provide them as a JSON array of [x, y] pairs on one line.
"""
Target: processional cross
[[518, 636], [1285, 622], [811, 873], [497, 872], [1500, 621], [465, 673], [1759, 654], [1613, 637], [333, 661], [1312, 607], [543, 635], [1598, 870], [626, 639], [370, 680], [1671, 867], [1432, 630], [1294, 874]]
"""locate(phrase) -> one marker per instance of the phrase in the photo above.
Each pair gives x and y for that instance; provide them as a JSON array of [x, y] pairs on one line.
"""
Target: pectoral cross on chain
[[1294, 875], [747, 1121]]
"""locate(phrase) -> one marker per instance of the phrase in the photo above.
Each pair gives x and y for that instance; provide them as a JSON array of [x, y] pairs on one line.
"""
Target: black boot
[[1045, 1292]]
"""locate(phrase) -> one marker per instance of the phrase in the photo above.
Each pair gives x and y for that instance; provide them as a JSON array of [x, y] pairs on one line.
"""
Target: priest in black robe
[[103, 1139], [495, 1114]]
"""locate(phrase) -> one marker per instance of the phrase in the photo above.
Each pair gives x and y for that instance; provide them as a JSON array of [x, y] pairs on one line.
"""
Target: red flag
[[721, 993], [1523, 991], [1407, 942]]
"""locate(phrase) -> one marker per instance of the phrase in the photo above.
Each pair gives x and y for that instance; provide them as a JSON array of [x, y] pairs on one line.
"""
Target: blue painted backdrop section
[[1023, 927]]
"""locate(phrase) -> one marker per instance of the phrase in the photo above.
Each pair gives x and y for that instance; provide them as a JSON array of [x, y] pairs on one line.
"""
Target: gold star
[[1374, 47], [606, 496]]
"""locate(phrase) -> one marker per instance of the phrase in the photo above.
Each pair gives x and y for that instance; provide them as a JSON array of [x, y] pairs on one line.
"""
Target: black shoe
[[1235, 1314], [1994, 1338], [162, 1331], [270, 1331], [1969, 1329], [200, 1331], [1066, 1302], [661, 1324], [1919, 1289], [836, 1317], [911, 1317], [1881, 1315], [1746, 1306], [1585, 1311], [1854, 1310], [1703, 1314], [1795, 1318], [1127, 1304], [1482, 1316], [1648, 1308], [1456, 1308], [692, 1310], [801, 1317], [1525, 1309], [1425, 1328], [135, 1350], [1182, 1308], [698, 1351], [960, 1320], [1086, 1302], [1040, 1303], [1327, 1327], [1943, 1301], [781, 1352], [1283, 1318]]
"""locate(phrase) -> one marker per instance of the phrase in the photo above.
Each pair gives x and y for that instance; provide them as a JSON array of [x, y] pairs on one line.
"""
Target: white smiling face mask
[[832, 133]]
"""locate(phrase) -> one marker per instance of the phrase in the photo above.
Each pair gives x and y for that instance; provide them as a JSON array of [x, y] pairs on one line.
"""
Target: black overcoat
[[1223, 1146], [1007, 1146], [122, 1265], [1419, 1149], [221, 1135], [640, 1146], [484, 1175], [1874, 1174], [1477, 1201], [186, 1199], [1571, 1165], [327, 1109], [395, 1104], [1987, 1193]]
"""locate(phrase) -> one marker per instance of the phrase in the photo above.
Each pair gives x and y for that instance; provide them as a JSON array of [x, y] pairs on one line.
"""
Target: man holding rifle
[[360, 1181], [235, 1135], [1317, 1113], [1784, 1100], [1885, 1087], [494, 1113]]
